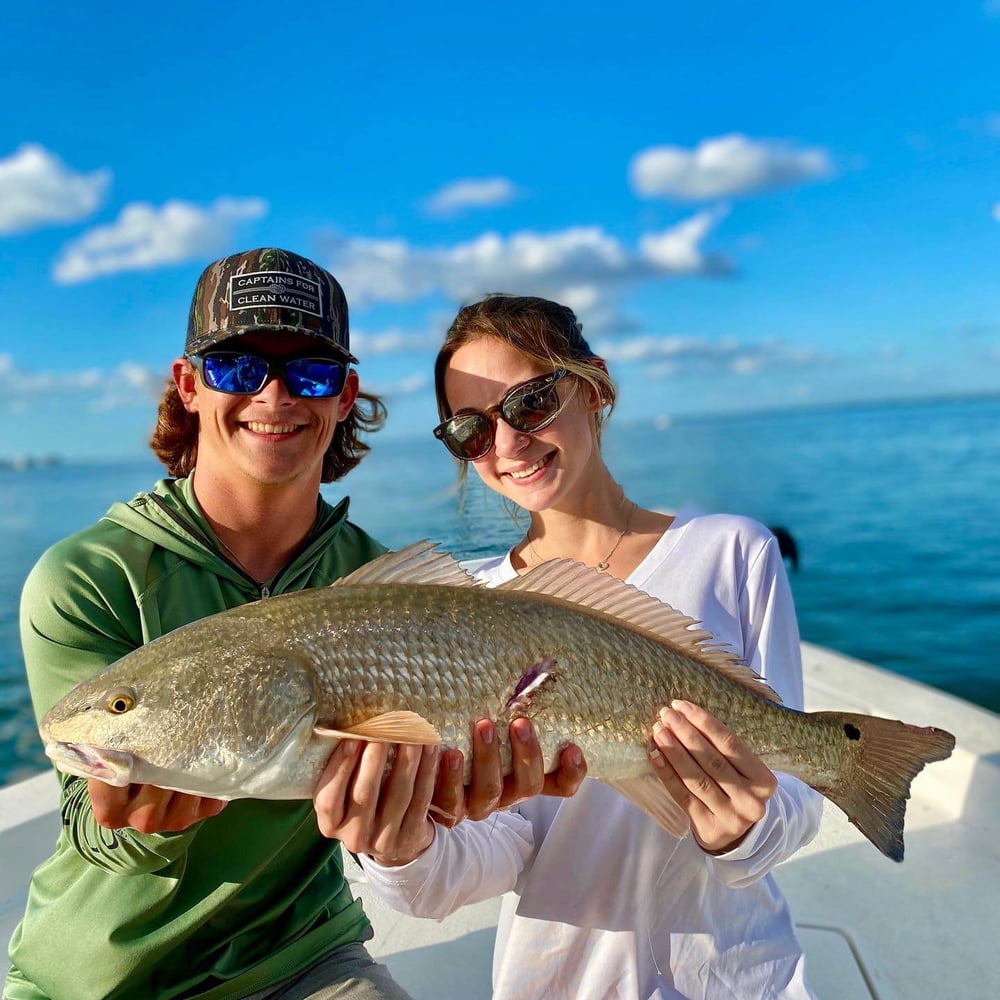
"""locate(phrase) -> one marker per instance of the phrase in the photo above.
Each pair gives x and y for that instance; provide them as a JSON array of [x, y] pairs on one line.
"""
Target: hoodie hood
[[169, 517]]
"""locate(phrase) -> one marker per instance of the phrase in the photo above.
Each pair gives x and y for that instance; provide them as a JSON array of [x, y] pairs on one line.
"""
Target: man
[[158, 894], [152, 893]]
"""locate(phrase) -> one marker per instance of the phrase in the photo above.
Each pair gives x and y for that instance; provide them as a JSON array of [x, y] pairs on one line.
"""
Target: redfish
[[249, 703]]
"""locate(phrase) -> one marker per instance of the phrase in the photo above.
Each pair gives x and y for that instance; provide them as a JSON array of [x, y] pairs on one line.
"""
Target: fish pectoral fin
[[389, 727], [648, 793]]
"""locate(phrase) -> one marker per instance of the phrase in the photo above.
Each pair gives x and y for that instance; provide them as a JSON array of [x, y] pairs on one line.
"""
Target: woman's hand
[[147, 808], [375, 811], [712, 774], [489, 790]]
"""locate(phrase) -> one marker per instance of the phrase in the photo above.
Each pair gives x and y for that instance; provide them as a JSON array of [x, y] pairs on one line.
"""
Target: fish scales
[[409, 649], [469, 649]]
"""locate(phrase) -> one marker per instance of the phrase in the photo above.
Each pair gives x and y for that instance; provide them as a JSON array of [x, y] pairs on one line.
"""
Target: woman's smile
[[530, 471]]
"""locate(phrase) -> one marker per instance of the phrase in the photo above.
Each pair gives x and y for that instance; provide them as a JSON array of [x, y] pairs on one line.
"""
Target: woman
[[606, 903]]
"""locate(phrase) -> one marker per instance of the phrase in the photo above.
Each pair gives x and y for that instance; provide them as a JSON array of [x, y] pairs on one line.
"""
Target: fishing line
[[650, 902]]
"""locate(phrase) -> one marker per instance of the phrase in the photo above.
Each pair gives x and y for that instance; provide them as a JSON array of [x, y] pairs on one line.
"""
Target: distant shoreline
[[671, 420], [806, 409]]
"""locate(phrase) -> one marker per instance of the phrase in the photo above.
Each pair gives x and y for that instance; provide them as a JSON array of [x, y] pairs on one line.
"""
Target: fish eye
[[121, 702]]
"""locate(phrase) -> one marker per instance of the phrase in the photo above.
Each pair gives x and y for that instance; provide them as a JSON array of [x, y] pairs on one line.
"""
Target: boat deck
[[871, 929]]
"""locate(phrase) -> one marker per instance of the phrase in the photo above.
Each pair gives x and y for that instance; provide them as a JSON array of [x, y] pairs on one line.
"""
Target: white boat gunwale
[[871, 929]]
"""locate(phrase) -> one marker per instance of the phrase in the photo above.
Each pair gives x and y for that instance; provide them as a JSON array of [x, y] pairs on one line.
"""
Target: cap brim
[[210, 340]]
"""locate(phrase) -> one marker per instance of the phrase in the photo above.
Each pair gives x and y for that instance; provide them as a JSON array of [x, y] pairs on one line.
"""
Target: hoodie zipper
[[195, 532]]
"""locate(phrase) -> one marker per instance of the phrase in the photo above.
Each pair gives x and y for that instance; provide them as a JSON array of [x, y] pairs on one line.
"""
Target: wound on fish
[[532, 681], [852, 732]]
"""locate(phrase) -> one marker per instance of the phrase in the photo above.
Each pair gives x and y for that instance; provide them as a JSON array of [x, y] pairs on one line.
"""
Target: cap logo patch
[[275, 289]]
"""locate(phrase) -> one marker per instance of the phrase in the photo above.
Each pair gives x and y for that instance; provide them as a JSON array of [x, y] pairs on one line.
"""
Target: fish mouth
[[113, 767]]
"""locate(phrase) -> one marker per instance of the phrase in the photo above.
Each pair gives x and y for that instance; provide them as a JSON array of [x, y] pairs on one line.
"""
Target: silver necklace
[[602, 566], [236, 559]]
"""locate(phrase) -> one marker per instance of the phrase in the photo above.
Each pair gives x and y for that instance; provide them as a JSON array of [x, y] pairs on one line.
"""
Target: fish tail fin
[[882, 759]]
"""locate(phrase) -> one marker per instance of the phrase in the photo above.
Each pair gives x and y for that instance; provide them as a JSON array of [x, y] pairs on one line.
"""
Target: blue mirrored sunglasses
[[240, 373]]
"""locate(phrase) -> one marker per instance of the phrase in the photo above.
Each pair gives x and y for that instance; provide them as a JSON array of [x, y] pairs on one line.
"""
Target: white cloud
[[38, 189], [145, 237], [486, 192], [393, 341], [726, 166], [583, 264], [678, 249], [409, 385], [668, 356], [99, 389], [974, 329], [129, 383]]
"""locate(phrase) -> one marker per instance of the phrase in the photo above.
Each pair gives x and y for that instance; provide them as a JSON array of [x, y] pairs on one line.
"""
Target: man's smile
[[261, 427]]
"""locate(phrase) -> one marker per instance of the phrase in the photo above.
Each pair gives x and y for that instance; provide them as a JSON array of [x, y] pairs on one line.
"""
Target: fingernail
[[656, 758], [522, 733], [455, 762], [658, 725], [678, 706], [576, 757], [349, 747], [487, 735]]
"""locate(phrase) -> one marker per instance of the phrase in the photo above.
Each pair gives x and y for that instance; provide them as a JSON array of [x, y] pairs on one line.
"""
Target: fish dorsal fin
[[420, 562], [575, 583]]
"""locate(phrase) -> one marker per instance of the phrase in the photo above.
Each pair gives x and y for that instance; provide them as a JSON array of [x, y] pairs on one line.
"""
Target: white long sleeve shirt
[[601, 902]]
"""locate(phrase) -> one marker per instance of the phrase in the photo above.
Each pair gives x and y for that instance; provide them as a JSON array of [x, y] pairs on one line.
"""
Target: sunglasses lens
[[528, 409], [314, 378], [234, 373], [468, 436], [244, 374]]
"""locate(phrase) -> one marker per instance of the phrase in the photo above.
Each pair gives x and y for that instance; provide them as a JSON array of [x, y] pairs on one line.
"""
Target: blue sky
[[750, 205]]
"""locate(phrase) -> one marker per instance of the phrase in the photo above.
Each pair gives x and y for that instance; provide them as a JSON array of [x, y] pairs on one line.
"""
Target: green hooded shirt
[[231, 905]]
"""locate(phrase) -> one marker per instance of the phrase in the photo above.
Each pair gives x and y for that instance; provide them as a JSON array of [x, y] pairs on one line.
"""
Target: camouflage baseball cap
[[263, 290]]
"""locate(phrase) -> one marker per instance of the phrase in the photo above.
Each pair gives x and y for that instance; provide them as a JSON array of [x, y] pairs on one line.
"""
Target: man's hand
[[712, 774], [147, 808], [489, 790], [374, 811], [388, 811]]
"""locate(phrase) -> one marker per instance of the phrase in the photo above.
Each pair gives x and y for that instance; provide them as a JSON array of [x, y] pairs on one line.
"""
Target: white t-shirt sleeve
[[476, 860], [772, 649], [770, 629]]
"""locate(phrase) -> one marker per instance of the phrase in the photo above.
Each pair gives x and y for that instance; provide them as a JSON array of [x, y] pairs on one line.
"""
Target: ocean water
[[894, 509]]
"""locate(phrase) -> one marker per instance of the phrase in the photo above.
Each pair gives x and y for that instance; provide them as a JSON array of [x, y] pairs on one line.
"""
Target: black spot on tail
[[852, 732]]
